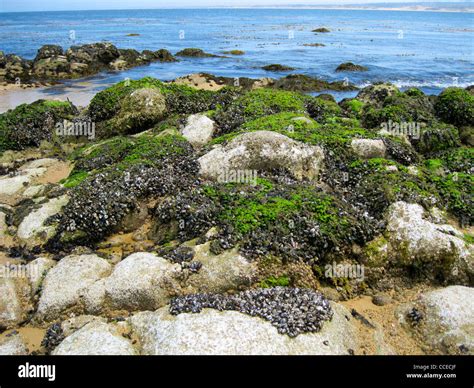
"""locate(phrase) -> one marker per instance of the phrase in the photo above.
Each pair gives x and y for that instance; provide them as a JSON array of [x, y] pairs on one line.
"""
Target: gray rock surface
[[447, 323], [263, 151], [198, 130], [212, 332], [13, 346], [369, 148], [141, 281], [95, 338], [64, 284]]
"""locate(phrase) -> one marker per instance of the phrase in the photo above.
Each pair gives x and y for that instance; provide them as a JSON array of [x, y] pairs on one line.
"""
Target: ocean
[[428, 50]]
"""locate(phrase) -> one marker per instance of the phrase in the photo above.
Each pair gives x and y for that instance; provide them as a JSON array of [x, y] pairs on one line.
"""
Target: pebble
[[381, 300]]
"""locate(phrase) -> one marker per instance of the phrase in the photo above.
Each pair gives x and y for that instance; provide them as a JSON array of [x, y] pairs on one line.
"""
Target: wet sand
[[31, 336], [79, 93], [387, 336]]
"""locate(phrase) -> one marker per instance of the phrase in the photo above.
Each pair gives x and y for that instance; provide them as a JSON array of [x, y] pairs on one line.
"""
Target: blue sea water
[[429, 50]]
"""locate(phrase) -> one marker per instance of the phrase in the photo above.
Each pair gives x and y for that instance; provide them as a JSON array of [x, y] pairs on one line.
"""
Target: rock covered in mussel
[[292, 311]]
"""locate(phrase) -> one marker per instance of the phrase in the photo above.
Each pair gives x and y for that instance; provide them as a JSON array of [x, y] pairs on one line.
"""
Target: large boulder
[[96, 54], [96, 338], [33, 230], [349, 66], [52, 68], [455, 106], [195, 53], [14, 68], [29, 125], [48, 51], [161, 55], [376, 94], [443, 320], [139, 111], [64, 284], [50, 63], [415, 240], [263, 151], [142, 281], [213, 332]]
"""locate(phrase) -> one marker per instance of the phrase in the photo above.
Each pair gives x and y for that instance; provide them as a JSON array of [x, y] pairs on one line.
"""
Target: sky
[[59, 5]]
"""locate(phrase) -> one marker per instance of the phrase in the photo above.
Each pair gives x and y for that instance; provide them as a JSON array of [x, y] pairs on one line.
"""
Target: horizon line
[[338, 7]]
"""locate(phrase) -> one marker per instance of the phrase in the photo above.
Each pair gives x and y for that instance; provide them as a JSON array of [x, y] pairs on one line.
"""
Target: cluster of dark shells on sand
[[292, 311]]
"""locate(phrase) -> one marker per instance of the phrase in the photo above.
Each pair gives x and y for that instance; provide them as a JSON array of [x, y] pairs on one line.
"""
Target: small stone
[[199, 129], [381, 300], [369, 148]]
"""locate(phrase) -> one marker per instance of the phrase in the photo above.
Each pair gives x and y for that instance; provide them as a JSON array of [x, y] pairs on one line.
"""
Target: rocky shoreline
[[167, 216], [52, 63]]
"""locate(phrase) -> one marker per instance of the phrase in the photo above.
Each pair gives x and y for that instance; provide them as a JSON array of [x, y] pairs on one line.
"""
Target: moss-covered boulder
[[377, 183], [48, 51], [95, 55], [455, 106], [322, 110], [436, 138], [277, 67], [132, 172], [161, 55], [450, 172], [106, 103], [98, 156], [376, 94], [352, 107], [134, 106], [194, 53], [259, 103], [399, 108], [29, 124], [349, 66], [305, 83], [288, 221], [260, 151], [334, 136], [466, 135], [321, 30], [14, 68], [139, 110], [56, 67]]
